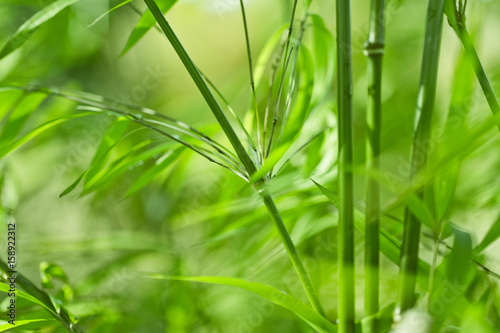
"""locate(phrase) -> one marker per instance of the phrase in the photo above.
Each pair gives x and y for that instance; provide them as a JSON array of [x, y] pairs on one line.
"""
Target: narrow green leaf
[[113, 135], [38, 296], [73, 185], [146, 22], [29, 27], [124, 164], [332, 197], [153, 172], [270, 293], [492, 235], [15, 120], [271, 161], [98, 162], [6, 327], [40, 129], [123, 3], [19, 293]]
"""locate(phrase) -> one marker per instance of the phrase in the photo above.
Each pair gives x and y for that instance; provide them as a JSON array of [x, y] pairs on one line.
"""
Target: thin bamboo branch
[[374, 50], [242, 154], [456, 19], [346, 302], [252, 81], [425, 108]]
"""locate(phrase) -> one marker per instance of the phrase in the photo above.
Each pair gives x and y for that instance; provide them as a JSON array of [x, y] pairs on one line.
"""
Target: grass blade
[[121, 4], [145, 24]]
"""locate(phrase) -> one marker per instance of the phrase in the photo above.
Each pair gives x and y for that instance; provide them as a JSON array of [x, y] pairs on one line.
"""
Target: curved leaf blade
[[40, 129], [6, 327], [146, 22], [278, 297]]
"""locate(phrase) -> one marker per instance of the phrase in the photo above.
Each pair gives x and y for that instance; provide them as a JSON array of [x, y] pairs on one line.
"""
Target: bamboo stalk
[[346, 302], [242, 154], [374, 50], [425, 107]]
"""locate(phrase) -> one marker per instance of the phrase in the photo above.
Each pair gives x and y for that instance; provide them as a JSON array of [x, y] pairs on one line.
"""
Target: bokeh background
[[196, 218]]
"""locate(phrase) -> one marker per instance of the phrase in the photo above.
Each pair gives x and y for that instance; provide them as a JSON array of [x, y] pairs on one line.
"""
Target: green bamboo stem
[[242, 154], [425, 107], [346, 302], [374, 50]]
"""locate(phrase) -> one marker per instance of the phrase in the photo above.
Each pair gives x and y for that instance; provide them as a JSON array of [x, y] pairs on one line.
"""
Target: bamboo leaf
[[114, 134], [40, 129], [146, 22], [270, 293], [130, 160], [121, 4], [160, 165], [6, 327], [38, 296], [20, 112], [19, 293], [270, 163], [492, 235], [29, 27]]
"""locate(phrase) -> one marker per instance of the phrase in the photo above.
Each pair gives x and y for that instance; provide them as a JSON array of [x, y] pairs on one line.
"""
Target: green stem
[[456, 19], [242, 154], [202, 87], [250, 66], [291, 250], [425, 108], [345, 177], [374, 50]]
